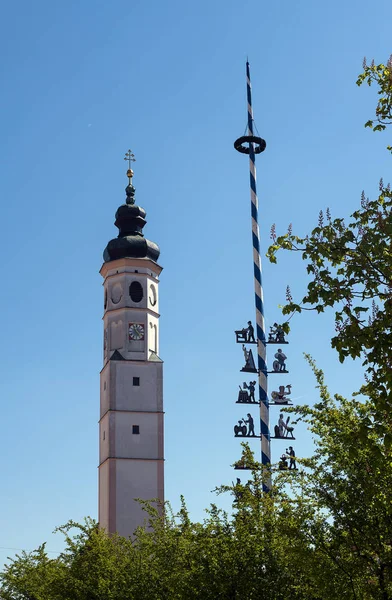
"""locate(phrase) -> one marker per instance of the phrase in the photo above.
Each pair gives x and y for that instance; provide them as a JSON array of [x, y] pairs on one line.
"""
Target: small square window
[[136, 381], [135, 429]]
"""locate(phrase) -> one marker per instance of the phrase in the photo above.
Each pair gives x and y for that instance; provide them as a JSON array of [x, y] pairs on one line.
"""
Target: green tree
[[381, 75], [253, 553], [347, 483]]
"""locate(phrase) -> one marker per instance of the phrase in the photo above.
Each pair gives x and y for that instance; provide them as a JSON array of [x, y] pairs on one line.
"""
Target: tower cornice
[[135, 309], [135, 274], [131, 263]]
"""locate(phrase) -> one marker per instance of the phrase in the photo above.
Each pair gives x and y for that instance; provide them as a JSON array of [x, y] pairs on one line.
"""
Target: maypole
[[253, 145]]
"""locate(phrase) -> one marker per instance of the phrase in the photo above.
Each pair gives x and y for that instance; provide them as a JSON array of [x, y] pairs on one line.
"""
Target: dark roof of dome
[[130, 242]]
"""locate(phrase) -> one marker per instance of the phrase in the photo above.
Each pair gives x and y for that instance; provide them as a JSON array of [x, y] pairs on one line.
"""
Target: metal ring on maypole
[[259, 145]]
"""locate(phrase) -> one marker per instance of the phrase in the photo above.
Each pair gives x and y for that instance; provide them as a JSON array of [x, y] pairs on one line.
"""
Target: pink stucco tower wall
[[131, 427]]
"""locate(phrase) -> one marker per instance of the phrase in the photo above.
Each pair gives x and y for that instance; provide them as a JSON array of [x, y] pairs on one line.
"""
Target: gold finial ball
[[129, 173]]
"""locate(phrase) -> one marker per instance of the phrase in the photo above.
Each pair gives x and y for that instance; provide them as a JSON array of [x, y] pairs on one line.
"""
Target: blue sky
[[83, 82]]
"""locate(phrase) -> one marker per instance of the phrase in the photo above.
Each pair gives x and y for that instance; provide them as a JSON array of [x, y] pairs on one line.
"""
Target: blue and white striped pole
[[260, 324]]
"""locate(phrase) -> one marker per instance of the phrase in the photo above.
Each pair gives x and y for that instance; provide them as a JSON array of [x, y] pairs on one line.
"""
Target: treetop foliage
[[381, 75]]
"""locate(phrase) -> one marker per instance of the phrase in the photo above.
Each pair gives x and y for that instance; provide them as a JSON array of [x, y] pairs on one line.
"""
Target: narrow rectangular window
[[135, 429], [136, 381], [104, 435]]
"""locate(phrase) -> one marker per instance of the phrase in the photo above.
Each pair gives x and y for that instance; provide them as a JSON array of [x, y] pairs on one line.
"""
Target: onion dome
[[130, 220]]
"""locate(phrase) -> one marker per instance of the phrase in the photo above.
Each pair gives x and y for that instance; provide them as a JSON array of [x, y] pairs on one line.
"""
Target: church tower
[[131, 456]]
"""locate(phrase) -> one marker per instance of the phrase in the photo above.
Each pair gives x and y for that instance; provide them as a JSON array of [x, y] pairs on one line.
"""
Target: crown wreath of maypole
[[243, 144]]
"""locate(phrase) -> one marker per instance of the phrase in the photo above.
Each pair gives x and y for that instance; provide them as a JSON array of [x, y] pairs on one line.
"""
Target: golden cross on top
[[130, 157]]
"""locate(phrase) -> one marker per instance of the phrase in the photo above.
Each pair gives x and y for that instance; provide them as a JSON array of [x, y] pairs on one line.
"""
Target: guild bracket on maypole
[[246, 334], [250, 365], [246, 395], [243, 466], [287, 456], [279, 364], [245, 427], [283, 430], [243, 144], [276, 335], [280, 396]]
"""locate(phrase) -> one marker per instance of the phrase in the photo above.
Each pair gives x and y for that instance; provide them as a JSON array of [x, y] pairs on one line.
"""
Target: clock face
[[136, 331]]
